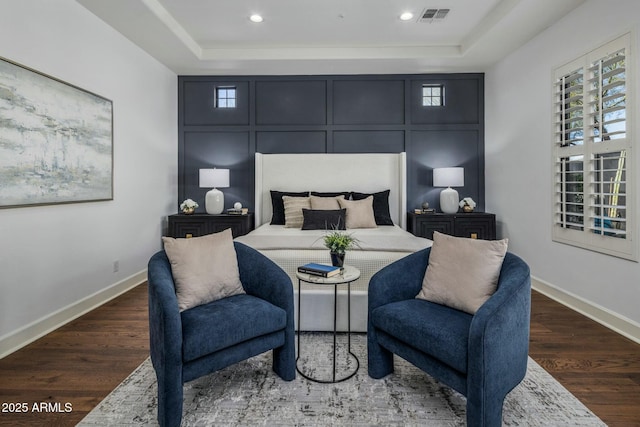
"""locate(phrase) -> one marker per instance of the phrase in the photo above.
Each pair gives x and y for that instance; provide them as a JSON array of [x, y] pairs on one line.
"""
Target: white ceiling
[[201, 37]]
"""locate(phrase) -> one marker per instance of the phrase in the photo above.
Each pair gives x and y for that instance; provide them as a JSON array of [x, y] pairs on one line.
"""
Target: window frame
[[571, 141], [217, 98], [431, 96]]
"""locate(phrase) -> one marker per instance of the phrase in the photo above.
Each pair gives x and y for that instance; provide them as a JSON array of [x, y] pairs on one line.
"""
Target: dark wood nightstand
[[194, 225], [476, 225]]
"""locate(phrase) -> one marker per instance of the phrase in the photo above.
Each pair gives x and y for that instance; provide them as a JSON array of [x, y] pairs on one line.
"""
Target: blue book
[[319, 269]]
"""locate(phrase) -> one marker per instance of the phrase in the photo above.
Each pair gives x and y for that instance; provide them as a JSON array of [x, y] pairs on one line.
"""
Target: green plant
[[338, 242]]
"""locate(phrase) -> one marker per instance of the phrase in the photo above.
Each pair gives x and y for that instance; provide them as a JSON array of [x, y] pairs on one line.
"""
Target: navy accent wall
[[331, 114]]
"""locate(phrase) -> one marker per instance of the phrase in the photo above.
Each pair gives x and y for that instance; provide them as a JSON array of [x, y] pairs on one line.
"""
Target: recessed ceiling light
[[256, 18], [406, 16]]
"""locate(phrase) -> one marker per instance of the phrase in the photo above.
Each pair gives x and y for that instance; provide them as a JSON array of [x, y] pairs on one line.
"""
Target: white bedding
[[291, 248], [386, 238]]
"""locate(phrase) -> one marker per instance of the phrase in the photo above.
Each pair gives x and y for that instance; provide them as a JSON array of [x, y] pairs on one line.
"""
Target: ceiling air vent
[[433, 15]]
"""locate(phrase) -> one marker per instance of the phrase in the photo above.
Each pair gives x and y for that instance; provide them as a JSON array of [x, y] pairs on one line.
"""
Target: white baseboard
[[39, 328], [614, 321], [26, 335]]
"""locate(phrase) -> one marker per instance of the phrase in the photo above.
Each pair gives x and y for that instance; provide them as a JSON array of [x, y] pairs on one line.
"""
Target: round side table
[[348, 275]]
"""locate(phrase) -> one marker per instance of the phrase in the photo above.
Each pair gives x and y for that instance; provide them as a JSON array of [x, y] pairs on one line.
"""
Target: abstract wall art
[[56, 140]]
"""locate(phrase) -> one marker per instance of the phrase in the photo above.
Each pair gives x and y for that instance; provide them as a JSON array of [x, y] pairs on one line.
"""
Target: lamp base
[[214, 202], [449, 200]]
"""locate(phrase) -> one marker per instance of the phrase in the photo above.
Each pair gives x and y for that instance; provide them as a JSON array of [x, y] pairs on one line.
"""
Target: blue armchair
[[482, 356], [203, 339]]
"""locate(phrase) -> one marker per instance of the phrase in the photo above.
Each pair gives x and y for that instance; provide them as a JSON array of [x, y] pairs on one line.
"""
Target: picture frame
[[56, 140]]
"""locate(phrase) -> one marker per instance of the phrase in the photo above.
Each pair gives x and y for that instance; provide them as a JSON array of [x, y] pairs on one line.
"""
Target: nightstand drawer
[[475, 225], [480, 227], [187, 228], [426, 228], [181, 225]]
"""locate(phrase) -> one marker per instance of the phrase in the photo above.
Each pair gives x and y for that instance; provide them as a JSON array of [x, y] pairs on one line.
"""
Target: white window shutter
[[593, 197]]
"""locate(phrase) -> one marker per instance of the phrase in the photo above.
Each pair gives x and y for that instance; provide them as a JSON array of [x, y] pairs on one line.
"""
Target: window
[[432, 95], [225, 97], [593, 193]]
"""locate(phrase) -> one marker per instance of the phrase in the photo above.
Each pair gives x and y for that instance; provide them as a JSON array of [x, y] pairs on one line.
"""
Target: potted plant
[[338, 243]]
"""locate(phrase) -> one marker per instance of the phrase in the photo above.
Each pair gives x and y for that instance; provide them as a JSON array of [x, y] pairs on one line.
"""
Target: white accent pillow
[[359, 213], [462, 273], [293, 206], [205, 268]]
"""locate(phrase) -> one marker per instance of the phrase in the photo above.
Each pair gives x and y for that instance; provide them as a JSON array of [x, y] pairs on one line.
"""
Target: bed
[[291, 247]]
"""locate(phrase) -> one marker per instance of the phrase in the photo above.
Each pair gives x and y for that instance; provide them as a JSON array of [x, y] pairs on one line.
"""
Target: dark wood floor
[[80, 363]]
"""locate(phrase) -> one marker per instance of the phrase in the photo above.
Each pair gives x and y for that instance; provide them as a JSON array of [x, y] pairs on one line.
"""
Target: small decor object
[[237, 209], [448, 177], [467, 204], [338, 243], [188, 206], [214, 200], [424, 209]]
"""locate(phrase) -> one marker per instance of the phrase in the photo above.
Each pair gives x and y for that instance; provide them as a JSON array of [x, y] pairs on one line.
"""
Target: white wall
[[52, 257], [518, 158]]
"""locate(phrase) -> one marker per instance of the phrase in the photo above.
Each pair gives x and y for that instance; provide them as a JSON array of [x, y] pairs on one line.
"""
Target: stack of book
[[241, 211], [321, 270]]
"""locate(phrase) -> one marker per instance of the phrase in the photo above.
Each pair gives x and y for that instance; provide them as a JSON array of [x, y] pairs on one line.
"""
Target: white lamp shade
[[448, 177], [214, 178]]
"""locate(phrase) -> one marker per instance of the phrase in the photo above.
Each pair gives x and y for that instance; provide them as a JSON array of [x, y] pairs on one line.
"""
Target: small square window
[[225, 97], [432, 95]]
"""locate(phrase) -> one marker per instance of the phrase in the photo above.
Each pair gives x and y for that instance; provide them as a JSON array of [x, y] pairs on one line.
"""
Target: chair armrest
[[263, 278], [398, 281], [165, 325], [499, 332]]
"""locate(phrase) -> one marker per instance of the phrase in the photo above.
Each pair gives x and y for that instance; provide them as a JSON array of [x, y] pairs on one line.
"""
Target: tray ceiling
[[327, 36]]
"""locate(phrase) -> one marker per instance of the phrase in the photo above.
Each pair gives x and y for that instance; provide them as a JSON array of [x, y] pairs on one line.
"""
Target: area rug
[[250, 394]]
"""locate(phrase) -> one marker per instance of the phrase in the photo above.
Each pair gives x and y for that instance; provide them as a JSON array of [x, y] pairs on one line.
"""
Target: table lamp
[[448, 177], [216, 178]]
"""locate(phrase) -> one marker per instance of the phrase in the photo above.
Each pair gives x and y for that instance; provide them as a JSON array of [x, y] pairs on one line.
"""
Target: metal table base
[[335, 316]]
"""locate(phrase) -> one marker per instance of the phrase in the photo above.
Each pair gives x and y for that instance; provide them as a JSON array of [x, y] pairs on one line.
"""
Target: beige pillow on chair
[[462, 273], [205, 268]]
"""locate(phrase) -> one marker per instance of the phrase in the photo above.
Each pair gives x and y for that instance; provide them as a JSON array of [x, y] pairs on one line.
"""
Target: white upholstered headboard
[[365, 173]]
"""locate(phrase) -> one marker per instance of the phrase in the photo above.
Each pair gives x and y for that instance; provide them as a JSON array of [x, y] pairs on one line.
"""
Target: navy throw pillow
[[324, 219], [277, 217], [380, 205]]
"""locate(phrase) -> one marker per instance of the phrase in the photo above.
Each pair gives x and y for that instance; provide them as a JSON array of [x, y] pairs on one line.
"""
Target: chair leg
[[284, 360], [483, 411], [380, 360], [170, 400]]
